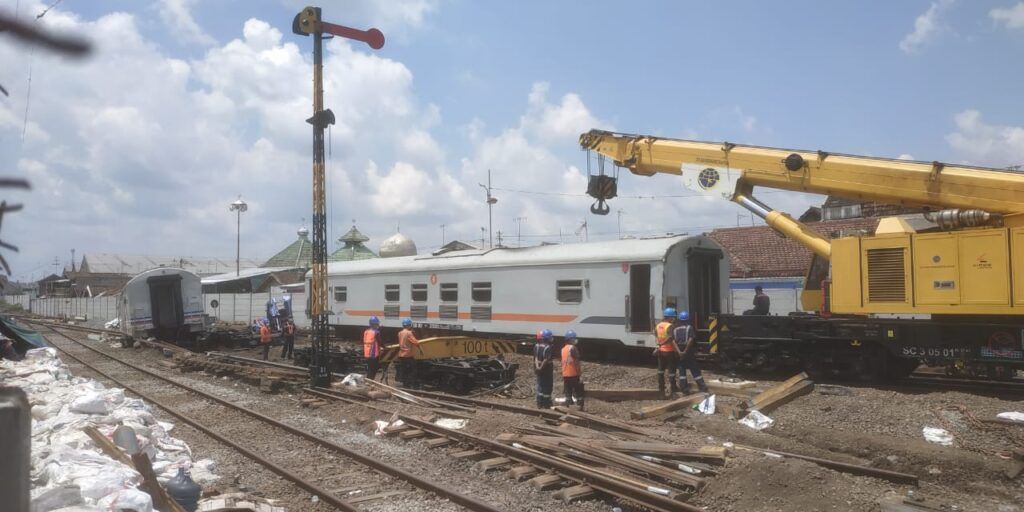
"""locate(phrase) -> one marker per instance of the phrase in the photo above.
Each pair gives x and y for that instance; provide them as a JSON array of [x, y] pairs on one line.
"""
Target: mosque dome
[[303, 232], [397, 245]]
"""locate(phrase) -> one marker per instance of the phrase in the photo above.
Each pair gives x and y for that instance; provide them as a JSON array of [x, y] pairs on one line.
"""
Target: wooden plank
[[660, 409], [546, 481], [492, 464], [621, 395], [773, 391], [470, 455], [439, 442], [378, 496], [583, 419], [523, 472], [575, 493], [794, 392], [412, 434]]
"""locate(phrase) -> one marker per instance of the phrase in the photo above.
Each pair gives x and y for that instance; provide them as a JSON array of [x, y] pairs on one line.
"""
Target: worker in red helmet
[[371, 347]]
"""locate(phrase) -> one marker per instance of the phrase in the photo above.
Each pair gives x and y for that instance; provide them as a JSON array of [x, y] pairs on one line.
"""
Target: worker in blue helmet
[[686, 340], [544, 368], [571, 371], [667, 351]]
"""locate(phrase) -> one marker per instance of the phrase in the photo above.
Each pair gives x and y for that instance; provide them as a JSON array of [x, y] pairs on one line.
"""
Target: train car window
[[450, 292], [419, 293], [569, 292], [481, 292], [392, 293], [340, 293]]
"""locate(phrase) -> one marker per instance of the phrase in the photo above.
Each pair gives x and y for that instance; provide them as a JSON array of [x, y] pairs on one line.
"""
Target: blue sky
[[186, 104]]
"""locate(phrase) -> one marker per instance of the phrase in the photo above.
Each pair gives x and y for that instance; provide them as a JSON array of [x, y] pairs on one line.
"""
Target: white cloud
[[1012, 17], [177, 16], [926, 26], [905, 156], [987, 144]]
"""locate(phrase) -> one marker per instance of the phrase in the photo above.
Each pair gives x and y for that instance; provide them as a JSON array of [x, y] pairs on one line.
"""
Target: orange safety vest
[[264, 334], [371, 349], [406, 343], [663, 334], [570, 362]]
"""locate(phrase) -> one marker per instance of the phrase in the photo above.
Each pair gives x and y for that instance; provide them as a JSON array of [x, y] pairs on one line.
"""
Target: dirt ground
[[854, 424]]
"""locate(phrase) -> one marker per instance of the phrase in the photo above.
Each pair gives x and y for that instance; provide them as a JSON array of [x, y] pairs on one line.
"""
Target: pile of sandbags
[[68, 469]]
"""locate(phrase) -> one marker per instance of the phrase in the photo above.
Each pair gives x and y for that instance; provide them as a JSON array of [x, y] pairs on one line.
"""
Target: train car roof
[[161, 271], [630, 250]]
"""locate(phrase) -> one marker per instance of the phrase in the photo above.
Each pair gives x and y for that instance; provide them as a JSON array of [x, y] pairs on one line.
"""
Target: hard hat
[[570, 335], [670, 312], [546, 334], [374, 320], [406, 322], [684, 315]]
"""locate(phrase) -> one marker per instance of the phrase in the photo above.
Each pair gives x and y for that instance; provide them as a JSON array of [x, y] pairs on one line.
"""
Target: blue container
[[184, 490]]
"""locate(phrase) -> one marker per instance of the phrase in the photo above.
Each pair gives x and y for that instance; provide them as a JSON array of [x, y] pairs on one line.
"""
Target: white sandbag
[[127, 499], [938, 436], [1014, 416], [56, 497], [451, 423], [90, 403], [113, 324], [756, 420]]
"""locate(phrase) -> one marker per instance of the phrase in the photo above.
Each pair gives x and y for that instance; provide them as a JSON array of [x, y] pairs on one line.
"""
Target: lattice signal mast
[[308, 23]]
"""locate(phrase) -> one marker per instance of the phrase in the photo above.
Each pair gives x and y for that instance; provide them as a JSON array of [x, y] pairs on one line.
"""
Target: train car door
[[639, 301], [166, 305], [704, 292]]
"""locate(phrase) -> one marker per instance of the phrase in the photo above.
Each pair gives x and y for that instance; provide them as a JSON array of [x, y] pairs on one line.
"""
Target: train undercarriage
[[869, 348]]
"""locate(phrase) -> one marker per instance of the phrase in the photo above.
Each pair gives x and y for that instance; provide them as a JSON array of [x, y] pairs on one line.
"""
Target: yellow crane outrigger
[[973, 265]]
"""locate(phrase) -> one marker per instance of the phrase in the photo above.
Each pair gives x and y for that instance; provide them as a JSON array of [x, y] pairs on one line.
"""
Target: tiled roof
[[759, 251], [353, 248], [298, 254]]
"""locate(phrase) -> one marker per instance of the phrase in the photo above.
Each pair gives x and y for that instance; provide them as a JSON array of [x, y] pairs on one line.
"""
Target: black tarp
[[24, 339]]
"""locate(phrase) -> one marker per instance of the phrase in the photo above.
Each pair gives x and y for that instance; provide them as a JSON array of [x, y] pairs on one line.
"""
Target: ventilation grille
[[886, 275], [391, 311], [480, 312], [419, 311], [448, 312]]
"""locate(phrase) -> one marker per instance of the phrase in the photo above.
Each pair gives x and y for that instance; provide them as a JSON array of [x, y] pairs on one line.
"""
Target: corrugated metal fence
[[232, 307]]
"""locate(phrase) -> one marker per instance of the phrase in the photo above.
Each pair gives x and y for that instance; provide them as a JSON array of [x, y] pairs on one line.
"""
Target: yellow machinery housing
[[971, 264]]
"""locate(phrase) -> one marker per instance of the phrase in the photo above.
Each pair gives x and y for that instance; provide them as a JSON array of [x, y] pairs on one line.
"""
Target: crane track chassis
[[875, 349], [465, 501]]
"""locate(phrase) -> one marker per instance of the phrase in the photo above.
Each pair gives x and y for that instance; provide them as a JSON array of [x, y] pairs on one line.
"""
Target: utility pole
[[519, 230], [72, 260], [490, 203], [442, 235], [483, 237], [619, 213], [499, 238], [56, 265], [238, 206], [308, 23]]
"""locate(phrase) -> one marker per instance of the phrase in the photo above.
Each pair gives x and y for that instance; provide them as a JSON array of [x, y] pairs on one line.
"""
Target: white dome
[[303, 232], [397, 245]]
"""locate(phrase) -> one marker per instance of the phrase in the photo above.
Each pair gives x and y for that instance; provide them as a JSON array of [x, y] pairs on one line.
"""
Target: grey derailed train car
[[162, 303], [611, 293]]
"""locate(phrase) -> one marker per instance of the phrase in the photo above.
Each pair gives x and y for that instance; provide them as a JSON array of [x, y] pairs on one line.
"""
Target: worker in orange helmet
[[407, 347], [265, 338], [571, 372]]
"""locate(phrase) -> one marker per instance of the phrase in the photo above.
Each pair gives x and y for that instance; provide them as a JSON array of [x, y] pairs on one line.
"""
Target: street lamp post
[[238, 206], [490, 202]]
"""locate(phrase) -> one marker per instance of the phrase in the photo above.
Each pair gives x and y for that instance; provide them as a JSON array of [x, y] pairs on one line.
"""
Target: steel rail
[[468, 502]]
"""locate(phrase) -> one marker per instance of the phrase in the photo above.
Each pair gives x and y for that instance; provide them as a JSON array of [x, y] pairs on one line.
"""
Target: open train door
[[165, 301], [639, 302], [704, 290]]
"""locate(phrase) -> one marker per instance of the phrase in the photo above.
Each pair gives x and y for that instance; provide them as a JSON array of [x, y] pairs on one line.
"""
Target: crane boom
[[883, 180]]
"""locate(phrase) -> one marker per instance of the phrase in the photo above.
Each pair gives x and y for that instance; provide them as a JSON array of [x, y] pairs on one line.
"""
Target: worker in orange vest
[[407, 347], [571, 383], [371, 347], [667, 351], [265, 338]]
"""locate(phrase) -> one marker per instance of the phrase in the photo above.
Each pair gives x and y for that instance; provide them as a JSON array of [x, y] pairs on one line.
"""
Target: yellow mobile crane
[[962, 280]]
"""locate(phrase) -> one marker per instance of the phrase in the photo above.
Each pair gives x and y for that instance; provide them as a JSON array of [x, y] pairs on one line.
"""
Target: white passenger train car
[[609, 292], [163, 303]]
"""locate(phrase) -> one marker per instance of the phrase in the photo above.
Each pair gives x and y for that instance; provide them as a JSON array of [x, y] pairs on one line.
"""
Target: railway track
[[288, 456]]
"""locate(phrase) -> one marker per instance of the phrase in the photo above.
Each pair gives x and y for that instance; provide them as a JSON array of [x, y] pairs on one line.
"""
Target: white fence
[[232, 307]]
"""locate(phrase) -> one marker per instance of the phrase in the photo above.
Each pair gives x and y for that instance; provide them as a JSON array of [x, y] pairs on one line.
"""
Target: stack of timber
[[776, 396]]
